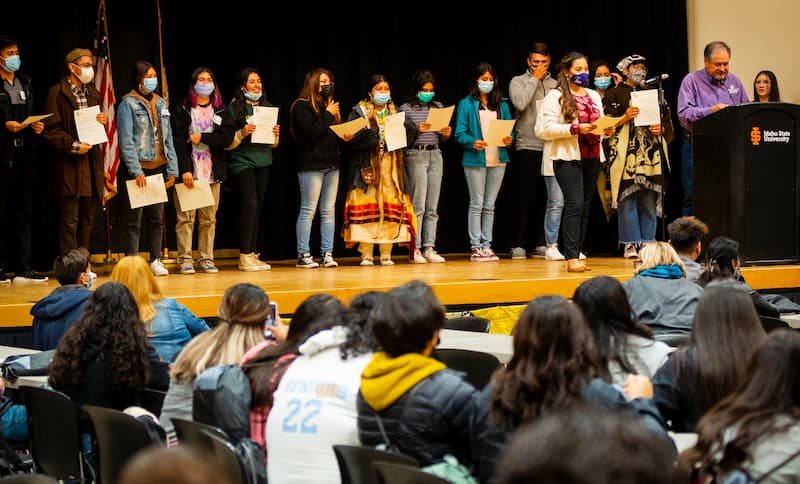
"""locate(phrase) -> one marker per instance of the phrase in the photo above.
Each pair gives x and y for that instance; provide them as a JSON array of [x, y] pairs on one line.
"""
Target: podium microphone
[[653, 80]]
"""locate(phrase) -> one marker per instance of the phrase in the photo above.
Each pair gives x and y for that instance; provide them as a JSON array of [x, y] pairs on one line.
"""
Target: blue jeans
[[637, 217], [552, 215], [425, 169], [317, 187], [484, 185], [686, 177]]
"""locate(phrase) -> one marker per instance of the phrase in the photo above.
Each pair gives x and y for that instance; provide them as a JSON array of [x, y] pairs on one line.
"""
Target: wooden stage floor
[[456, 282]]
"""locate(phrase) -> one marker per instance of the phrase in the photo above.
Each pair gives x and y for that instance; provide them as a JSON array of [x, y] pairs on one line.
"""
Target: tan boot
[[246, 263], [262, 266], [575, 265]]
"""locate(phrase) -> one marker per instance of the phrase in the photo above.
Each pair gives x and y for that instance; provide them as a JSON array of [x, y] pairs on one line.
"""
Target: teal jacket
[[468, 129]]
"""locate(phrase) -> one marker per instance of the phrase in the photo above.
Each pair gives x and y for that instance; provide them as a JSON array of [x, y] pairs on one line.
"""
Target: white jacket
[[559, 143]]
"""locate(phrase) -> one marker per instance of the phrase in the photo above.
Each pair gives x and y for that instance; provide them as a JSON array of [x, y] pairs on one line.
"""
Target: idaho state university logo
[[755, 135]]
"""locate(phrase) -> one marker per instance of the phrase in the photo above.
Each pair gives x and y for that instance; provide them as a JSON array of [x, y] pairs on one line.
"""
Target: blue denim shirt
[[135, 132], [172, 327]]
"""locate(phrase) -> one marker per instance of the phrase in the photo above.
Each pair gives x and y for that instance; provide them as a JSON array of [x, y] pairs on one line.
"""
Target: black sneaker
[[30, 276], [305, 261]]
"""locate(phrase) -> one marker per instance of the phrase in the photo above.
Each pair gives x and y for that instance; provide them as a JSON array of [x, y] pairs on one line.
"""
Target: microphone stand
[[659, 139]]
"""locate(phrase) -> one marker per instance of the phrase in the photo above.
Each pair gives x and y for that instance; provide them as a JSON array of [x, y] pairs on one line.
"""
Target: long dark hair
[[494, 98], [554, 357], [610, 318], [310, 92], [774, 92], [358, 321], [241, 81], [419, 79], [722, 252], [569, 107], [217, 101]]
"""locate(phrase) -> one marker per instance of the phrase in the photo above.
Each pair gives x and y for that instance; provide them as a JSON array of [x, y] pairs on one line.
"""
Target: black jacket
[[217, 140], [317, 147]]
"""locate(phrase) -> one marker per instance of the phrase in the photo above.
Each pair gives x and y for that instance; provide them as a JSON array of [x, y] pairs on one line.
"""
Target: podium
[[746, 175]]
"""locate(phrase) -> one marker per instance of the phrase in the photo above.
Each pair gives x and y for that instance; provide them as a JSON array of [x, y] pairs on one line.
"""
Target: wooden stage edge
[[457, 282]]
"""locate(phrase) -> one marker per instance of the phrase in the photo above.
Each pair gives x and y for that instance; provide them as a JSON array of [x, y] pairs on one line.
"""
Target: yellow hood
[[386, 379]]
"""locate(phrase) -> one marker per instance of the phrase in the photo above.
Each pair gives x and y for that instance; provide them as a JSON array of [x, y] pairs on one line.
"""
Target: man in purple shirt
[[703, 92]]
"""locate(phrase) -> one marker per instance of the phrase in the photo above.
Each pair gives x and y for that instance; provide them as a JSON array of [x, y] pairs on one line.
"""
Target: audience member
[[243, 311], [701, 93], [554, 367], [484, 165], [725, 331], [14, 420], [201, 129], [406, 397], [659, 293], [765, 87], [686, 236], [756, 429], [376, 180], [56, 312], [145, 149], [76, 174], [526, 92], [172, 465], [249, 165], [624, 346], [424, 164], [169, 324], [330, 361], [16, 164], [586, 445], [313, 112]]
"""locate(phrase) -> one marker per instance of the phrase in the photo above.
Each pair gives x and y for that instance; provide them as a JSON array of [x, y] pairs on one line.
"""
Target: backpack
[[34, 364]]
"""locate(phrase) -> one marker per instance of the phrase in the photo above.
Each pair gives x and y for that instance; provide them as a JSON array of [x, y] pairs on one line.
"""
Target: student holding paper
[[248, 165], [484, 165], [76, 174], [378, 209], [639, 158], [201, 129], [145, 148], [424, 163]]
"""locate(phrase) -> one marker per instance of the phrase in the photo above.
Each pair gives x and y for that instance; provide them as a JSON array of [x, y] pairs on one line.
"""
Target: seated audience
[[583, 445], [659, 293], [725, 331], [56, 312], [14, 418], [554, 367], [686, 236], [407, 397], [172, 465], [301, 450], [756, 429], [624, 346], [242, 312], [169, 324]]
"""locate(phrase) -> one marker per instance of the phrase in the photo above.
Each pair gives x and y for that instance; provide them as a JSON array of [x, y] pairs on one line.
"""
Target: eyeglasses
[[763, 81]]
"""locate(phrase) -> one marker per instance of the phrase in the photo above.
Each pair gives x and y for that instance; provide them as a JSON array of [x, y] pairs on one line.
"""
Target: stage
[[457, 282]]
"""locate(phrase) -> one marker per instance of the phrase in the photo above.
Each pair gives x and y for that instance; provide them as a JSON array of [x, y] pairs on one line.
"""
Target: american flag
[[105, 85]]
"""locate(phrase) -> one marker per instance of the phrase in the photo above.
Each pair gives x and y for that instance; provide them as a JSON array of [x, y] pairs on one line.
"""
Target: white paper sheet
[[499, 129], [351, 127], [647, 102], [89, 129], [438, 118], [152, 193], [265, 118], [33, 119], [395, 131], [196, 197]]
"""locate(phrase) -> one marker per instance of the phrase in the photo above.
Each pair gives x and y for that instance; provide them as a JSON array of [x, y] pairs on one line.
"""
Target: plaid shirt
[[83, 103]]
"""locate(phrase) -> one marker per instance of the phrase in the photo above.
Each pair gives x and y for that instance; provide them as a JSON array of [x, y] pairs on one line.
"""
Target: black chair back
[[55, 438], [392, 473], [479, 366], [119, 437], [771, 324], [151, 400], [356, 463], [468, 323], [196, 434], [227, 459]]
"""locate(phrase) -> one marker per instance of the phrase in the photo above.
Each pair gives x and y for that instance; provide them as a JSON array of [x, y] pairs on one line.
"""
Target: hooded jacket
[[55, 313]]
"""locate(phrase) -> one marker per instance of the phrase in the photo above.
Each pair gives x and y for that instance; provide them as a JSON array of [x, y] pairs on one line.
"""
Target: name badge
[[22, 95], [217, 119]]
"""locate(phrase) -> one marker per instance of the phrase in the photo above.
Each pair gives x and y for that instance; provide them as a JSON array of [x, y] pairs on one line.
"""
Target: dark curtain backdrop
[[354, 46]]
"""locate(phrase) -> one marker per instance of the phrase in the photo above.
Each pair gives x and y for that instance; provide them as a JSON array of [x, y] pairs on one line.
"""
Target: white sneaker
[[552, 253], [518, 253], [417, 258], [489, 253], [187, 267], [366, 262], [582, 256], [387, 261], [327, 260], [158, 268], [630, 251], [431, 255], [305, 261], [540, 252]]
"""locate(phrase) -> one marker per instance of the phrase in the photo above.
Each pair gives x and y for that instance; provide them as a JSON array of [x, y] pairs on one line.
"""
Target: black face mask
[[326, 90]]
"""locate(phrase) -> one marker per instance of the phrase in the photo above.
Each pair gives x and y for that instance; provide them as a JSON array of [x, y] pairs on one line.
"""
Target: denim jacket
[[172, 327], [135, 130]]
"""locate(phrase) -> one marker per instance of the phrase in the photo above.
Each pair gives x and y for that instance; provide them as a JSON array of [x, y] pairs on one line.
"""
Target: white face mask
[[86, 75]]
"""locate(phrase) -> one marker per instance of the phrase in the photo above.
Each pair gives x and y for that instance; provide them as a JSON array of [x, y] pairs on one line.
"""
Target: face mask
[[381, 98], [325, 90], [581, 79], [204, 88], [86, 75], [425, 97], [253, 96], [637, 75], [149, 84], [12, 63], [92, 277], [486, 86], [602, 82]]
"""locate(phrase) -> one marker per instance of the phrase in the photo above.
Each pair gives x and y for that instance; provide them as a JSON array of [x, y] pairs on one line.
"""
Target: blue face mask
[[602, 82], [486, 86], [12, 63], [581, 79], [149, 84], [253, 96], [204, 88], [425, 97], [381, 98]]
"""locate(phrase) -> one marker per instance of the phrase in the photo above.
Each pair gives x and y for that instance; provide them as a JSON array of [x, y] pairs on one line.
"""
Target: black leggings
[[578, 181]]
